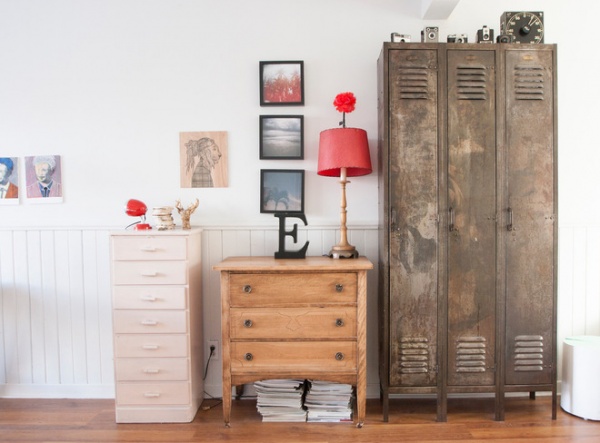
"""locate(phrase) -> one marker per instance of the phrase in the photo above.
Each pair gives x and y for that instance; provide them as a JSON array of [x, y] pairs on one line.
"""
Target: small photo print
[[9, 181], [203, 159], [281, 83], [281, 137], [281, 190], [43, 179]]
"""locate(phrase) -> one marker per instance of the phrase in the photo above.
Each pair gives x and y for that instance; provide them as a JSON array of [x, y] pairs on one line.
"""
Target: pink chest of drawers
[[157, 323]]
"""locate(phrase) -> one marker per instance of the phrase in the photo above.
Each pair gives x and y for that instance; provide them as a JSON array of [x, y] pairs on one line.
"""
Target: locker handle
[[509, 226], [451, 226]]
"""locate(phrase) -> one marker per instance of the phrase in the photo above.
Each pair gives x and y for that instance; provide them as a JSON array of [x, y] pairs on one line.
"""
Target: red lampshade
[[344, 148], [135, 208]]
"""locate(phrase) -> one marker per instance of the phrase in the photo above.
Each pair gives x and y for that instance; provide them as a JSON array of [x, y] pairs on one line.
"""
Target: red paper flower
[[345, 102]]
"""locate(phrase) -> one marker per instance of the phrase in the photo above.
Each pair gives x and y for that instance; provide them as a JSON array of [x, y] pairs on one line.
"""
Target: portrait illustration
[[43, 178], [203, 159], [9, 181]]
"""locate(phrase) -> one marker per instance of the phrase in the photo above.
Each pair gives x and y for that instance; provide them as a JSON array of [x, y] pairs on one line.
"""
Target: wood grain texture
[[412, 420], [281, 299]]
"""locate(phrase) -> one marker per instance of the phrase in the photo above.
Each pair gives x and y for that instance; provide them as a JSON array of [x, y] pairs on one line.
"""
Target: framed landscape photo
[[282, 190], [281, 137], [281, 83]]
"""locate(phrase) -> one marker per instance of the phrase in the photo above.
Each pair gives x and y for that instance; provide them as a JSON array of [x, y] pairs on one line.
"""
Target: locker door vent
[[470, 354], [414, 355], [529, 82], [414, 84], [471, 82], [529, 352]]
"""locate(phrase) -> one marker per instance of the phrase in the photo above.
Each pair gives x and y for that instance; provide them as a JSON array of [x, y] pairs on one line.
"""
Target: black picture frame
[[282, 190], [281, 137], [281, 83]]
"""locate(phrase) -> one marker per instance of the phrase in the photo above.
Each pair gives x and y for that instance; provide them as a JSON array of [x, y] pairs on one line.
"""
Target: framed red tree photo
[[281, 83]]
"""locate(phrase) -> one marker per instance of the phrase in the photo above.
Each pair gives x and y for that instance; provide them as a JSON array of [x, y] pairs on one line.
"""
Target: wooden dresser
[[294, 318], [157, 318]]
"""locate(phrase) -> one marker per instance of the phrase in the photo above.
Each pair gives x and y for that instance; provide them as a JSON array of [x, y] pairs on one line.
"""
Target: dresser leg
[[226, 404]]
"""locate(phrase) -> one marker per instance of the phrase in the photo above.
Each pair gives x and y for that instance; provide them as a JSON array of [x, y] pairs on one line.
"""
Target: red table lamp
[[344, 152], [137, 208]]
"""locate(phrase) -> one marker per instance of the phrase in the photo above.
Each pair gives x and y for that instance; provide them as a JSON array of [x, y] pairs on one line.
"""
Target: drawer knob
[[248, 323], [149, 273], [339, 287], [248, 356], [339, 356], [247, 289], [339, 322], [148, 297], [149, 322]]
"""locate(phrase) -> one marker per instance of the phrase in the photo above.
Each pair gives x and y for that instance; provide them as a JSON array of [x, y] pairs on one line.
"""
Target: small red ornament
[[345, 102]]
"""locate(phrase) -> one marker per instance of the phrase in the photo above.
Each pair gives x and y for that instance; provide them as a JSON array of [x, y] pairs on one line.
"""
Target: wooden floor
[[26, 420]]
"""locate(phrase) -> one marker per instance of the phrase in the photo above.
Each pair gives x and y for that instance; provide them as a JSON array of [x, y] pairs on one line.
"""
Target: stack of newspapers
[[328, 402], [280, 400]]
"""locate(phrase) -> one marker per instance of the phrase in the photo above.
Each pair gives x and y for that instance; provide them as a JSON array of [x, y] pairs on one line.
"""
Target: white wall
[[109, 84]]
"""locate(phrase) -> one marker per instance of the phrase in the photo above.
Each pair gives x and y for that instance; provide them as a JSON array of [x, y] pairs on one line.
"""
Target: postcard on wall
[[9, 181], [203, 159], [43, 179]]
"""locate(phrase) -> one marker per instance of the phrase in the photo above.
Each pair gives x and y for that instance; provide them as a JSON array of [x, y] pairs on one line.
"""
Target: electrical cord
[[206, 408]]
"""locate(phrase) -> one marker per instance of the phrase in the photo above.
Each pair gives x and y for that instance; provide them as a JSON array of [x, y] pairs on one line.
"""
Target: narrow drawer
[[151, 369], [149, 247], [166, 393], [151, 345], [293, 356], [150, 272], [149, 321], [292, 289], [149, 297], [293, 323]]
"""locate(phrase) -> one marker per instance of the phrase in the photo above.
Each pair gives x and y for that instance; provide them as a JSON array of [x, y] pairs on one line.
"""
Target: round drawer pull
[[339, 322], [247, 289], [339, 287], [248, 356], [339, 356], [248, 323]]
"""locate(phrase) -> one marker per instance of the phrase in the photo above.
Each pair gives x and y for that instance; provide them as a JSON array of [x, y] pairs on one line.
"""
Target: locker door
[[413, 207], [471, 172], [530, 218]]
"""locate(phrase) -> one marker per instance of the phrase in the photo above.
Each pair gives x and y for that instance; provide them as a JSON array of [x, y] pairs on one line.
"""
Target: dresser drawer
[[292, 289], [149, 297], [151, 345], [151, 369], [150, 321], [296, 357], [150, 273], [166, 393], [149, 248], [293, 323]]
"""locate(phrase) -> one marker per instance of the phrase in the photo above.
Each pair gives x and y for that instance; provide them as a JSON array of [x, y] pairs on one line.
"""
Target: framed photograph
[[282, 83], [281, 137], [282, 190]]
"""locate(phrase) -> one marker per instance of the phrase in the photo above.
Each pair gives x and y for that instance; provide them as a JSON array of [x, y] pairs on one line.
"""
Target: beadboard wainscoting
[[55, 300]]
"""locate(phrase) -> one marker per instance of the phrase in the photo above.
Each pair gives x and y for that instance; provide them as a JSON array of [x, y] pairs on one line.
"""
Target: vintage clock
[[523, 27]]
